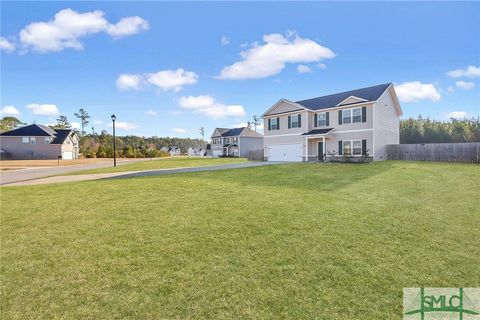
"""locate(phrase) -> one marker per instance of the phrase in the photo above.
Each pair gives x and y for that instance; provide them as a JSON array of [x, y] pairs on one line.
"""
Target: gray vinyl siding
[[387, 125], [248, 144]]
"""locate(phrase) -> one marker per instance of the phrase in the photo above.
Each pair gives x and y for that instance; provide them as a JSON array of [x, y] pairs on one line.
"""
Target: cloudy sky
[[167, 69]]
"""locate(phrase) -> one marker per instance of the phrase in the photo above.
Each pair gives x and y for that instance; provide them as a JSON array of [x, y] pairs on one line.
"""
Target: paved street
[[134, 174], [11, 176]]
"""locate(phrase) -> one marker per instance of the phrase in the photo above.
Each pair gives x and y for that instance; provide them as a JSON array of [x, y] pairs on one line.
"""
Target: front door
[[320, 151]]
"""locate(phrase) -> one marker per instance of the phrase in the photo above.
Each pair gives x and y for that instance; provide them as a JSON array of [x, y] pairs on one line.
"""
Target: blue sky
[[167, 69]]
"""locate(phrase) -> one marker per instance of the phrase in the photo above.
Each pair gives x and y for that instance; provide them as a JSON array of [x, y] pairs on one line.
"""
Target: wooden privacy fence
[[444, 152], [255, 155]]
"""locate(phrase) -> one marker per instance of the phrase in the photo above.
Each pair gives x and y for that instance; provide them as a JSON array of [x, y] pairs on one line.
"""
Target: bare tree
[[202, 133]]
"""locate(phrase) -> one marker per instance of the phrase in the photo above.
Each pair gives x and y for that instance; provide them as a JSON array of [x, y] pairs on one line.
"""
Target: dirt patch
[[22, 164]]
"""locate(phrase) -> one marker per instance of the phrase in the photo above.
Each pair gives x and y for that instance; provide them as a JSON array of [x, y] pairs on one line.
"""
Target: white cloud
[[469, 71], [43, 109], [67, 28], [97, 122], [6, 45], [457, 115], [128, 81], [224, 41], [322, 66], [261, 61], [9, 111], [450, 89], [245, 124], [206, 104], [465, 85], [152, 113], [415, 91], [301, 68], [179, 130], [75, 125], [127, 27], [125, 125], [172, 79]]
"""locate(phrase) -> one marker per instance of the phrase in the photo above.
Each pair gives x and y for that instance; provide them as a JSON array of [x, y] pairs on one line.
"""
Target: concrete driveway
[[11, 176], [135, 174]]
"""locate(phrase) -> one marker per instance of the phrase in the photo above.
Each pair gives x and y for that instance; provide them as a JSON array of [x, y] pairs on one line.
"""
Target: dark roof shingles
[[332, 100], [317, 131]]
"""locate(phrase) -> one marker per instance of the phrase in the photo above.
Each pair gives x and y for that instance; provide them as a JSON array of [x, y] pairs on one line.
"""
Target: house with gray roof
[[37, 141], [236, 142], [356, 123]]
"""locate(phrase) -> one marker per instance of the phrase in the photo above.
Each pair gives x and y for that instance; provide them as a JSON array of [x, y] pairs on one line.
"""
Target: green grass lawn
[[293, 241], [163, 163]]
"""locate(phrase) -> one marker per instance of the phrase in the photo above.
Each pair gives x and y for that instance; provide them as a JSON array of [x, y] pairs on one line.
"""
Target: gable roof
[[333, 100], [61, 135], [242, 132], [33, 130], [218, 132]]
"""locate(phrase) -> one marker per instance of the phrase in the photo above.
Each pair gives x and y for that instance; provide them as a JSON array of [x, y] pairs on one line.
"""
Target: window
[[347, 116], [226, 140], [294, 122], [322, 119], [357, 147], [357, 115], [347, 148], [274, 124], [235, 140], [25, 140], [33, 140], [47, 140], [352, 147]]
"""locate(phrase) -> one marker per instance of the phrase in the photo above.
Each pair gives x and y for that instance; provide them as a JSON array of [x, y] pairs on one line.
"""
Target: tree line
[[426, 130]]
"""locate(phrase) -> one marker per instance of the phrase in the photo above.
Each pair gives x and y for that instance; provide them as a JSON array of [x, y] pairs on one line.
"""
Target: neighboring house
[[194, 152], [237, 142], [174, 151], [358, 123], [40, 142]]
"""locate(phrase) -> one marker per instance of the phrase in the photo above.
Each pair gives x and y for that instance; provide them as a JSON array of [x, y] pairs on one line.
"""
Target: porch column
[[323, 148], [306, 149]]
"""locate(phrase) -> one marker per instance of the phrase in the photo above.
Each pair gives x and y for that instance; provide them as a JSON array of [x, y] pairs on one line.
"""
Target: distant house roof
[[61, 135], [218, 132], [33, 130], [37, 130], [332, 100], [243, 132]]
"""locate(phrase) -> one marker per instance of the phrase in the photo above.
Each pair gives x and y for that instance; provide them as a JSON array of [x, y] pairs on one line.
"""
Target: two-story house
[[237, 142], [356, 123], [36, 141]]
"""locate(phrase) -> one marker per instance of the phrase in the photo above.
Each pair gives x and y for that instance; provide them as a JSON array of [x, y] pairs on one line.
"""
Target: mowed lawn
[[293, 241], [163, 163]]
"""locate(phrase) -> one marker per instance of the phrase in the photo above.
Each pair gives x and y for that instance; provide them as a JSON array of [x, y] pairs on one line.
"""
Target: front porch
[[316, 144], [230, 150]]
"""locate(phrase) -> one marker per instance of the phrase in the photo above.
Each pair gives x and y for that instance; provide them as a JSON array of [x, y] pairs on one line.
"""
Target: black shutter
[[364, 114], [339, 116], [364, 147], [328, 119], [278, 123], [289, 122], [340, 147], [315, 120], [299, 120], [269, 125]]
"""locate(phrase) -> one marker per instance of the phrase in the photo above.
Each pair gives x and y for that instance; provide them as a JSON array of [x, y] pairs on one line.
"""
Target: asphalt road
[[134, 174], [11, 176]]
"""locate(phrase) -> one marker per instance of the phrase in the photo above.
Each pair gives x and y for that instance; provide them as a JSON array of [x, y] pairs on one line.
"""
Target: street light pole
[[114, 150]]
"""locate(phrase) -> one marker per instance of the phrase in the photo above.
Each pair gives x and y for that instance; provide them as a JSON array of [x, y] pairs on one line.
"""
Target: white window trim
[[361, 118], [351, 148], [296, 122], [318, 119], [276, 123], [344, 117]]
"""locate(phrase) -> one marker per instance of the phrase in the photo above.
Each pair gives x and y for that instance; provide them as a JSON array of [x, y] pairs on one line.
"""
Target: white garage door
[[67, 155], [285, 152]]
